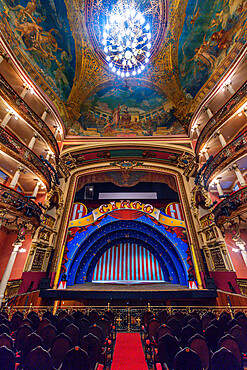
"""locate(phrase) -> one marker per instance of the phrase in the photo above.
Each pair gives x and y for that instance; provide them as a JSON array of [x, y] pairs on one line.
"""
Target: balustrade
[[226, 155], [17, 203], [10, 145], [225, 209], [228, 108], [23, 109]]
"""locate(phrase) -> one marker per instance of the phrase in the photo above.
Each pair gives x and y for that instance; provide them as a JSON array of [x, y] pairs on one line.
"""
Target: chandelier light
[[126, 40]]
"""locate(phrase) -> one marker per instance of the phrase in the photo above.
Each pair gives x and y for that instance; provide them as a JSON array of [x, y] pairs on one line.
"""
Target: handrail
[[16, 149], [226, 155], [23, 109], [16, 201], [211, 125]]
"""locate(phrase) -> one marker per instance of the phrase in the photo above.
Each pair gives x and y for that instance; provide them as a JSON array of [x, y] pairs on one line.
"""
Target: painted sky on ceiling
[[41, 30], [211, 27], [126, 111]]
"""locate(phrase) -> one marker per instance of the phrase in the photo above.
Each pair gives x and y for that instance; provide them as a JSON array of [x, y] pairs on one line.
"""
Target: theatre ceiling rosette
[[59, 44]]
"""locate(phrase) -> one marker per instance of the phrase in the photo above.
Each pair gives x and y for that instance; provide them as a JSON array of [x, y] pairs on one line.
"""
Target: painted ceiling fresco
[[210, 30], [41, 29], [127, 111], [56, 42]]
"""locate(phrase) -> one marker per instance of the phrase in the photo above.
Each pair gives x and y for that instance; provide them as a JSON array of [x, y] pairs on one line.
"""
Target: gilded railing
[[226, 155], [23, 109], [129, 318], [229, 205], [17, 203], [228, 108], [10, 145]]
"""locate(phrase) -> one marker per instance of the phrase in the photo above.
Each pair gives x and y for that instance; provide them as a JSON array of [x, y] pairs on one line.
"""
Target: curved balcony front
[[18, 205], [230, 153], [230, 207], [14, 148], [28, 115], [226, 111]]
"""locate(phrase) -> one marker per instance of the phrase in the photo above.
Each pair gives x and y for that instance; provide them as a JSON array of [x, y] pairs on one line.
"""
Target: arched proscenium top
[[167, 247]]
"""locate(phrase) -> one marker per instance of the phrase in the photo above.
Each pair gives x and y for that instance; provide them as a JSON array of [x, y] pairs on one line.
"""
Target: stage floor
[[127, 291]]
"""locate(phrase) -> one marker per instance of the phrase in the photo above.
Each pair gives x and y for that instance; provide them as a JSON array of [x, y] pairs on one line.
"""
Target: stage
[[147, 291]]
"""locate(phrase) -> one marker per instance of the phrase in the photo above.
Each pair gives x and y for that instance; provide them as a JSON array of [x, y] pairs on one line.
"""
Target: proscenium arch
[[98, 238], [148, 165]]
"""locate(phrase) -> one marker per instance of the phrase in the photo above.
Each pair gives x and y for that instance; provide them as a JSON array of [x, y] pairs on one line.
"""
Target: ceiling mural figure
[[41, 31], [127, 111], [210, 31]]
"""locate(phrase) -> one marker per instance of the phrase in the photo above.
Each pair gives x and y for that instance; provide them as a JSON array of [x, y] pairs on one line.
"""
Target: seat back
[[187, 332], [21, 335], [224, 360], [32, 341], [230, 343], [162, 330], [7, 359], [186, 359], [48, 334], [60, 346], [175, 326], [38, 359], [77, 359], [7, 341], [152, 328], [199, 345], [73, 333], [168, 347], [212, 334], [239, 334], [97, 331], [91, 344]]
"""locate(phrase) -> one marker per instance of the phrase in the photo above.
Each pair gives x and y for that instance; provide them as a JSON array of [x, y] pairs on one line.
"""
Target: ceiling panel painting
[[210, 30], [127, 111], [40, 29]]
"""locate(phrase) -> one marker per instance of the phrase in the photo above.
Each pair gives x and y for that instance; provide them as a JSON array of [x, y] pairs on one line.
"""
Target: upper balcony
[[231, 207], [21, 108], [232, 152], [19, 152], [17, 205], [230, 108]]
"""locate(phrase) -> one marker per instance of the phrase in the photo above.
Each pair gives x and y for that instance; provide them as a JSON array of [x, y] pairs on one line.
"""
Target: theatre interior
[[123, 184]]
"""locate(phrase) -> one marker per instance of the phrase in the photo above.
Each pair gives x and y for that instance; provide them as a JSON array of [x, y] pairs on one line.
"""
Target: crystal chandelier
[[126, 40]]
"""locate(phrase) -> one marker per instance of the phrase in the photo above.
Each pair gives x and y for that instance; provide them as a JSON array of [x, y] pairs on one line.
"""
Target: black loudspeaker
[[45, 283], [210, 284]]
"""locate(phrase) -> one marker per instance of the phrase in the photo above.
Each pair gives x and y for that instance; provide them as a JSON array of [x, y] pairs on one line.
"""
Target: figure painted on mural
[[126, 119]]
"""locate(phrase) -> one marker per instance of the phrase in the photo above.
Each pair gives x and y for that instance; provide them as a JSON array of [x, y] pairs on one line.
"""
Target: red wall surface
[[237, 259], [6, 241]]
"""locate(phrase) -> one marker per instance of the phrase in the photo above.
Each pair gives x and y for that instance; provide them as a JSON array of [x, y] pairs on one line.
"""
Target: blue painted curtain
[[127, 262]]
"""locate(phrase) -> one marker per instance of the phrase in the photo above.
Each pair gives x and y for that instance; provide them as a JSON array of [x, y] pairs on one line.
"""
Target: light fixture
[[22, 250], [126, 39]]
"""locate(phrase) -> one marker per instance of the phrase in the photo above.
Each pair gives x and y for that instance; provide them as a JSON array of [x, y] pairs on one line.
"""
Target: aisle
[[128, 353]]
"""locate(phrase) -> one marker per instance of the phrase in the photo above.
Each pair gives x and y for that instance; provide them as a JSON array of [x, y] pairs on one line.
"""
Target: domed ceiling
[[59, 43]]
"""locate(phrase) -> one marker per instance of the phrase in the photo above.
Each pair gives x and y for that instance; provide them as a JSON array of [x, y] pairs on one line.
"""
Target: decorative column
[[32, 141], [239, 175], [229, 87], [44, 114], [206, 154], [1, 59], [15, 178], [6, 119], [17, 244], [24, 92], [219, 188], [56, 132], [36, 189], [209, 112], [221, 139]]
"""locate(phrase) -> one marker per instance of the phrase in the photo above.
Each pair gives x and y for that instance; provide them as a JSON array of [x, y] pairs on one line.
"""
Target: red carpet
[[128, 353]]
